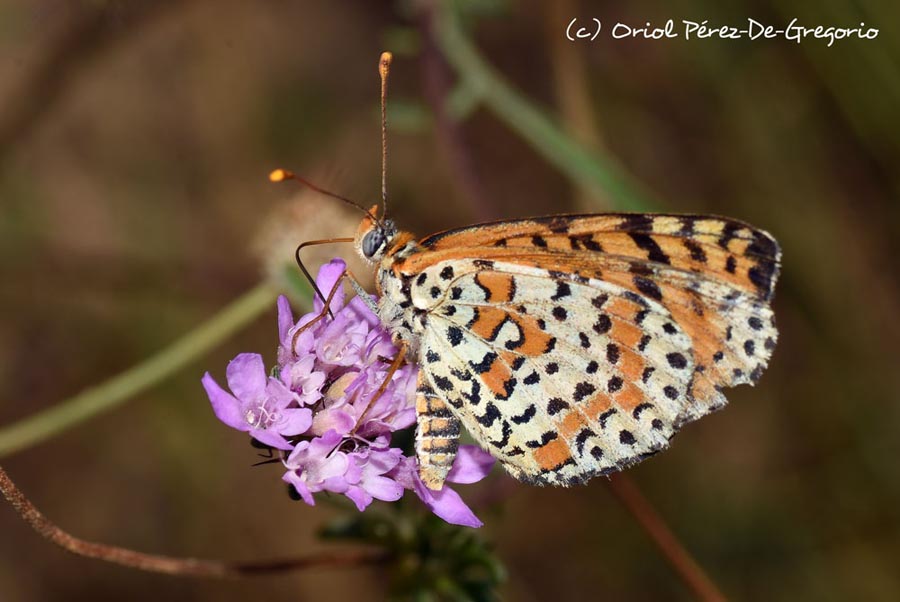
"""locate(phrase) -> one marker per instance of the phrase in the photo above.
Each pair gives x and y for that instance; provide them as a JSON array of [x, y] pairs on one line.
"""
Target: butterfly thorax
[[396, 309]]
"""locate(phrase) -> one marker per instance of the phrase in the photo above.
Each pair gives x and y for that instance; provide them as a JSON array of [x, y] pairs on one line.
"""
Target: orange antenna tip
[[280, 175], [385, 63]]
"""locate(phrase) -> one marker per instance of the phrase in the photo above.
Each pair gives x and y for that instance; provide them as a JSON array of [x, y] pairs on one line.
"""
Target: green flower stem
[[594, 171], [118, 389]]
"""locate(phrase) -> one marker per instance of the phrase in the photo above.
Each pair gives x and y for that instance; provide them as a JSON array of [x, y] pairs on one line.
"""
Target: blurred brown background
[[135, 139]]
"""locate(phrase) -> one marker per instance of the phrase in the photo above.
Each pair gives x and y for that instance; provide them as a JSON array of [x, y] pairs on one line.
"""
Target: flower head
[[321, 406]]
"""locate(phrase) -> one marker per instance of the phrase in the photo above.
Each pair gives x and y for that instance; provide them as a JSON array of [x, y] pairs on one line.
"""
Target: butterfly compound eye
[[372, 241]]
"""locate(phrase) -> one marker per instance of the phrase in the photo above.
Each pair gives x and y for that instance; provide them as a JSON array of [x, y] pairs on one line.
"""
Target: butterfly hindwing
[[571, 346], [561, 379]]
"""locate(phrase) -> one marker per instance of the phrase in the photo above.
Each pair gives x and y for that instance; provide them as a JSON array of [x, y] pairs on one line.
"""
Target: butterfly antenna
[[384, 68], [282, 175]]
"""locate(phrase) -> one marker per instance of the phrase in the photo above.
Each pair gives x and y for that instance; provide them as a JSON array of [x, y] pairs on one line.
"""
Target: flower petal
[[447, 504], [224, 405], [285, 318], [471, 465], [292, 478], [383, 488], [294, 421], [271, 438], [358, 310], [333, 419], [246, 376], [326, 279], [360, 497]]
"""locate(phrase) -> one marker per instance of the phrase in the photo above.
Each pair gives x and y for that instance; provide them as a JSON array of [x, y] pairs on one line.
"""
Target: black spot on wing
[[584, 241], [485, 364], [443, 383], [491, 413], [602, 418], [729, 231], [582, 390], [612, 353], [763, 246], [506, 433], [640, 408], [731, 264], [454, 335], [496, 332], [581, 439], [636, 222], [562, 290], [648, 288], [525, 416], [544, 440], [648, 244], [585, 341], [761, 275], [676, 360], [558, 224], [556, 405], [603, 324], [474, 396], [696, 251]]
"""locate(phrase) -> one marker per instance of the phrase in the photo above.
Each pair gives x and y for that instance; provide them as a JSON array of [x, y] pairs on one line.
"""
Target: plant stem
[[183, 567], [88, 403], [595, 171], [690, 571]]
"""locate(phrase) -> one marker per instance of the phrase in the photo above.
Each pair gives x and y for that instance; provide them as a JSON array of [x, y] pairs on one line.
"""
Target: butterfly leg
[[437, 435], [395, 365]]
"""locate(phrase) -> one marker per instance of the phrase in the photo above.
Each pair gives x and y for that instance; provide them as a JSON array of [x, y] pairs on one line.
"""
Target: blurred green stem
[[594, 171], [137, 379]]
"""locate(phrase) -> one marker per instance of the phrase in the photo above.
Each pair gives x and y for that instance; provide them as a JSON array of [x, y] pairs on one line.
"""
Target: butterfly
[[568, 346], [572, 346]]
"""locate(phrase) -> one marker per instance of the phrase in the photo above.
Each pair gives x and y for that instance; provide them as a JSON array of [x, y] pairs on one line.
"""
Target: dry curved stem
[[690, 571], [184, 567]]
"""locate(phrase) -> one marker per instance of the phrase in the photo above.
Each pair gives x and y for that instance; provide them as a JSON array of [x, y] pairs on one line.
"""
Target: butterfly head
[[374, 236]]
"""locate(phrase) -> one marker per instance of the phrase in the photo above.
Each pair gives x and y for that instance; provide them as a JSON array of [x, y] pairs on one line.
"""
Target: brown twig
[[437, 78], [653, 524], [88, 32], [184, 567]]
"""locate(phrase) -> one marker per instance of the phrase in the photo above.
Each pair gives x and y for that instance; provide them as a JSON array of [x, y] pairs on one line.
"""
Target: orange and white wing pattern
[[573, 346]]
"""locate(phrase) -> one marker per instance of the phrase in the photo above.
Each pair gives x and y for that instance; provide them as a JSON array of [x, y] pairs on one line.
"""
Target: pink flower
[[261, 405], [320, 408]]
